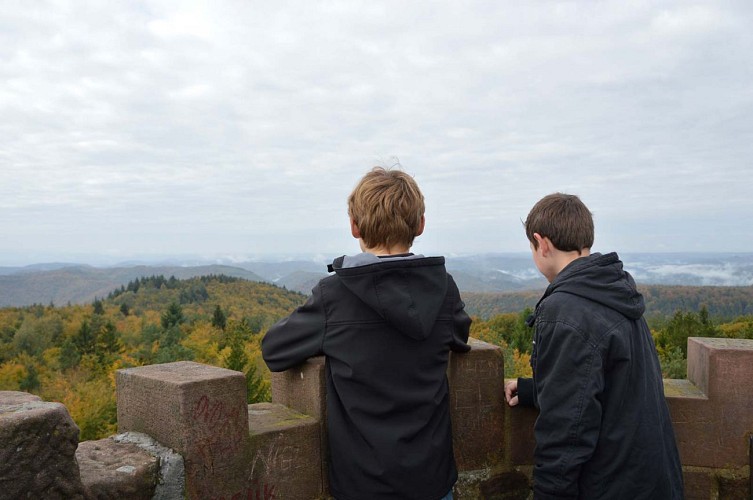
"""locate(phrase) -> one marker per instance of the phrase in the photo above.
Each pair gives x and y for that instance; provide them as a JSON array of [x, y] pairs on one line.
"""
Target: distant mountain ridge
[[81, 283], [661, 301], [61, 283]]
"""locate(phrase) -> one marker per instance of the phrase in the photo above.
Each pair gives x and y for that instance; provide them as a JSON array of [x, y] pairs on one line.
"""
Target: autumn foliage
[[70, 354]]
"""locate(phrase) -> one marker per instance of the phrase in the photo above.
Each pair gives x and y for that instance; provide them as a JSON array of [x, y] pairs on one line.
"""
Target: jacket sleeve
[[526, 396], [300, 336], [568, 382], [461, 322]]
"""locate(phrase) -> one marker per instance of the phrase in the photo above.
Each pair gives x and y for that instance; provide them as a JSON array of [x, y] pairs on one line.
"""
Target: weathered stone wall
[[187, 431]]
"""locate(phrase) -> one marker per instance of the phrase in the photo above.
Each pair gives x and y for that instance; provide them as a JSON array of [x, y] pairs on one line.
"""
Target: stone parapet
[[272, 451]]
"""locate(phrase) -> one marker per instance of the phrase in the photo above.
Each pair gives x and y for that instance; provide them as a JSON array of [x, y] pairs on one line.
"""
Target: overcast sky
[[232, 129]]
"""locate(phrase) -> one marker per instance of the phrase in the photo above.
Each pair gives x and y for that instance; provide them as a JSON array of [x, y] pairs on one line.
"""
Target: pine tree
[[69, 355], [98, 307], [219, 319], [237, 358], [172, 316], [109, 343], [257, 388], [84, 339], [684, 325]]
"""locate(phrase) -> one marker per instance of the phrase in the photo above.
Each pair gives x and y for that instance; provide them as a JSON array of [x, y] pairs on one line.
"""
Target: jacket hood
[[408, 292], [602, 279]]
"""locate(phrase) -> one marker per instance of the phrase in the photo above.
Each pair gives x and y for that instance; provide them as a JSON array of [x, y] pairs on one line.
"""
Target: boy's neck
[[562, 259], [384, 249]]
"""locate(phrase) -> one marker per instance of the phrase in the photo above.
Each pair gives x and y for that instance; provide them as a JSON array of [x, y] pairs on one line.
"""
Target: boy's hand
[[511, 392]]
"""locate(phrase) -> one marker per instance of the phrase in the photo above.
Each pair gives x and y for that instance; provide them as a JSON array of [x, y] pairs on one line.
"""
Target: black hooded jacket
[[386, 329], [604, 429]]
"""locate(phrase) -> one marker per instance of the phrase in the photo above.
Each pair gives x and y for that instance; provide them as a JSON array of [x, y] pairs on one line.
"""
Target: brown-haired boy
[[385, 322], [603, 430]]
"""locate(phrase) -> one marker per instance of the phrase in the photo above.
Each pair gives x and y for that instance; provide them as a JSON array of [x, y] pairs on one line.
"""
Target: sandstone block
[[286, 461], [699, 483], [200, 411], [712, 423], [38, 443], [112, 470], [477, 404], [521, 440], [302, 388]]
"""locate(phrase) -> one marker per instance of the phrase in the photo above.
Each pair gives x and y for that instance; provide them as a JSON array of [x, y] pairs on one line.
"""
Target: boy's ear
[[421, 226], [545, 244], [354, 229]]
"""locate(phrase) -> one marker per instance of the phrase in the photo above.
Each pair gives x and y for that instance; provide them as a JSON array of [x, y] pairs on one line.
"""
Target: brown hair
[[564, 219], [387, 207]]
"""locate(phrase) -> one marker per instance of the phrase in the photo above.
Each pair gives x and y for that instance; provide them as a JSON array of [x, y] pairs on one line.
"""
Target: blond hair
[[387, 207]]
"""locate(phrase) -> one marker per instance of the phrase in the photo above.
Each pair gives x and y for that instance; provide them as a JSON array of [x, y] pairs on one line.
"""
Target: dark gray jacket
[[386, 329], [604, 429]]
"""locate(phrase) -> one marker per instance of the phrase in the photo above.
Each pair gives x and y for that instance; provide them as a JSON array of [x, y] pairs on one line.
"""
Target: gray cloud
[[241, 127]]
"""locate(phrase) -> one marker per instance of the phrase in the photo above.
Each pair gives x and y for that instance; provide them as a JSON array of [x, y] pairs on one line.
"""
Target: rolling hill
[[78, 284]]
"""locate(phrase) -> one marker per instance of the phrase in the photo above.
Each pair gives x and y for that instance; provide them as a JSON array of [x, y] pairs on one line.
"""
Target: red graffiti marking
[[255, 491], [226, 426]]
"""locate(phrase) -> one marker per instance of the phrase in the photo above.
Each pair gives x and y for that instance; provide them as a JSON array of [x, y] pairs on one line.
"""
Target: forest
[[70, 354]]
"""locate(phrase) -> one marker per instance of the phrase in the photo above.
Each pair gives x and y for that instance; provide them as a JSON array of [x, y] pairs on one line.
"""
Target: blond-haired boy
[[386, 321], [604, 429]]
